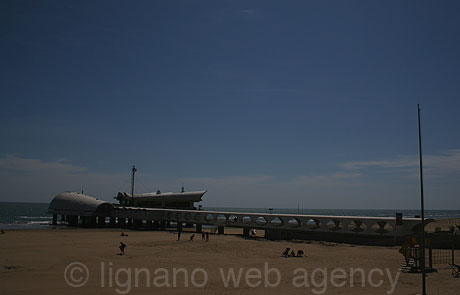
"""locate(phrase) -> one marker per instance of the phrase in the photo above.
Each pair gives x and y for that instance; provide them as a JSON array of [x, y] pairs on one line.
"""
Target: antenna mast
[[133, 170]]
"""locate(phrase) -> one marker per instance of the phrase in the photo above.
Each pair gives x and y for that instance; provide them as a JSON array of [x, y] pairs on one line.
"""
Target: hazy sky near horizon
[[262, 103]]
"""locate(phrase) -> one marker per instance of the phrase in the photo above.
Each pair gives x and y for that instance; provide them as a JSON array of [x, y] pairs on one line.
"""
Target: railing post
[[430, 253], [199, 228]]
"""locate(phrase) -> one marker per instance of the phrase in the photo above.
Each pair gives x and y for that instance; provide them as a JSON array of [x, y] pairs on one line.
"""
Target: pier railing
[[358, 225]]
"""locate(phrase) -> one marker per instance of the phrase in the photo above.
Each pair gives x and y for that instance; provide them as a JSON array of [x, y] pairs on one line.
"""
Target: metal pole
[[132, 185], [422, 242]]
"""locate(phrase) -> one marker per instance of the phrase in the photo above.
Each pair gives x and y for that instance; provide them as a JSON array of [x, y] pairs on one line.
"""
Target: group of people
[[204, 236], [286, 253]]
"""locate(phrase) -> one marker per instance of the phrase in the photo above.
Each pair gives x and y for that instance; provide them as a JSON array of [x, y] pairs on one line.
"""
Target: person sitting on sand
[[300, 253], [292, 254], [286, 252], [191, 237], [122, 248]]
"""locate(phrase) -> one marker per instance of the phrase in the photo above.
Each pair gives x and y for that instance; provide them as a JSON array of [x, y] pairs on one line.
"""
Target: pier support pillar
[[54, 219], [113, 221], [137, 223], [121, 221], [63, 218], [73, 220], [101, 220], [92, 221], [156, 224], [168, 224], [246, 232], [162, 225], [199, 228], [220, 230], [83, 220], [130, 222]]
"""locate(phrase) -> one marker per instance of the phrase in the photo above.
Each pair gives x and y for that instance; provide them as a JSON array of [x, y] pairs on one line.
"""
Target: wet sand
[[34, 262]]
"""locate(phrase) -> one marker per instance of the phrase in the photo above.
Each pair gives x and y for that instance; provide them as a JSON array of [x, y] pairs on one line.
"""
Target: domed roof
[[72, 203]]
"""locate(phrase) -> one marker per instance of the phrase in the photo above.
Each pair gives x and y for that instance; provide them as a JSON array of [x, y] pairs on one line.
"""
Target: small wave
[[38, 222], [32, 222], [35, 217], [42, 225]]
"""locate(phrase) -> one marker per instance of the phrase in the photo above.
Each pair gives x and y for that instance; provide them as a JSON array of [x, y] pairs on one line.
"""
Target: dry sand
[[34, 261]]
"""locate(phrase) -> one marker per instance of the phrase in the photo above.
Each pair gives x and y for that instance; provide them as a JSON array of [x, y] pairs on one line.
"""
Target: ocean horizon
[[25, 215]]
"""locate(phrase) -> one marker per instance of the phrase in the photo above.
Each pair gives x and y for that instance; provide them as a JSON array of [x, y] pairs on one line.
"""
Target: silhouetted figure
[[191, 237], [203, 236], [300, 253], [123, 235], [178, 235], [2, 232], [292, 254], [122, 248], [207, 236], [286, 252]]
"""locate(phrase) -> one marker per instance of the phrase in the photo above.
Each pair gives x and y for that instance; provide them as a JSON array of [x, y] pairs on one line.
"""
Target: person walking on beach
[[203, 234], [178, 235], [122, 248], [207, 236]]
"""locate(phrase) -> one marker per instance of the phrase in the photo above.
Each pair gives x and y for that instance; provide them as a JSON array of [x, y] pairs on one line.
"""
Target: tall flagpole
[[422, 242]]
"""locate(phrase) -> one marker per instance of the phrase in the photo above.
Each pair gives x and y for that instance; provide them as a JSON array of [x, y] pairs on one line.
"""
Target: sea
[[33, 215]]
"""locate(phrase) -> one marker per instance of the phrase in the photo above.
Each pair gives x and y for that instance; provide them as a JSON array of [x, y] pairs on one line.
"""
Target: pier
[[81, 210]]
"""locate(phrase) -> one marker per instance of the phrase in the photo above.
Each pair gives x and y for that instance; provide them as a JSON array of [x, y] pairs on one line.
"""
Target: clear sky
[[262, 103]]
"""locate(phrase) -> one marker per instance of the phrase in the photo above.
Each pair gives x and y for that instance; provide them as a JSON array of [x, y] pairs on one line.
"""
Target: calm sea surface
[[33, 215]]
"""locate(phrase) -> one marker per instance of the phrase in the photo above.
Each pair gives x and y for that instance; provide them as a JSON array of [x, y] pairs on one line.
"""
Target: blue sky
[[263, 103]]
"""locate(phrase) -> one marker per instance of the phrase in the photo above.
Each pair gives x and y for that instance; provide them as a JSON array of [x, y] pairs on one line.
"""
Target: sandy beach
[[50, 261]]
